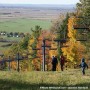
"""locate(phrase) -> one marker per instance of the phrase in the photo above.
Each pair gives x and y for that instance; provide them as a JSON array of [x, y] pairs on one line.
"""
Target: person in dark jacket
[[62, 62], [83, 65], [54, 63]]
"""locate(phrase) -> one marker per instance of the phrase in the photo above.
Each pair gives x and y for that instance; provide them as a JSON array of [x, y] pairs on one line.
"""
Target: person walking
[[62, 62], [54, 63], [83, 65]]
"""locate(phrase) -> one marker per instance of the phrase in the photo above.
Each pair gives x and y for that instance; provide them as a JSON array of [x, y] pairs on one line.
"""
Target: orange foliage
[[14, 65], [44, 35]]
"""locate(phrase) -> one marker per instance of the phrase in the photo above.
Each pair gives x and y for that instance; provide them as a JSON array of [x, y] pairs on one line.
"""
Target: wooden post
[[18, 62], [43, 55], [9, 63], [44, 47]]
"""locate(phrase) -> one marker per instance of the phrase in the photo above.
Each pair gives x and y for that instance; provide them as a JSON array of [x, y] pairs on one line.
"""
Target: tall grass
[[36, 80]]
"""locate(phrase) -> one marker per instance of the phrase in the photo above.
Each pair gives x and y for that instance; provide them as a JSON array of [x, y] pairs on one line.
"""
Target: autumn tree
[[33, 45], [83, 8], [24, 42], [75, 49]]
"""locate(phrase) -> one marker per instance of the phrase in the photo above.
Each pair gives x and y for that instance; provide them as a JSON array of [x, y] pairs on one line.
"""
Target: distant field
[[20, 25], [22, 18], [23, 25], [36, 80]]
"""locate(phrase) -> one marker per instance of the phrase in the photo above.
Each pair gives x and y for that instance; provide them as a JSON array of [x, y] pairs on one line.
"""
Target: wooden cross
[[44, 54], [84, 32], [43, 48]]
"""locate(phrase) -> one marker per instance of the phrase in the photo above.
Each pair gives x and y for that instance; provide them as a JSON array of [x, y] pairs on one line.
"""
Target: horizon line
[[34, 4]]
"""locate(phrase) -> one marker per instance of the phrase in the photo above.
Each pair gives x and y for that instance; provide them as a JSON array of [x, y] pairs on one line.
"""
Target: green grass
[[23, 25], [35, 79]]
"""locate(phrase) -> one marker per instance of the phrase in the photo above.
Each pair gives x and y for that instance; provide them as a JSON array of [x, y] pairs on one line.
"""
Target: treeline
[[12, 34]]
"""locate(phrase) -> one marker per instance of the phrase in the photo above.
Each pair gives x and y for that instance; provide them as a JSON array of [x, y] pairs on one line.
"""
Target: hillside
[[67, 80]]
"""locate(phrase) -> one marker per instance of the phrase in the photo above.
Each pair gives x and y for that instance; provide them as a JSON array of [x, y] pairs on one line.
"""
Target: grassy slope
[[23, 25], [34, 80]]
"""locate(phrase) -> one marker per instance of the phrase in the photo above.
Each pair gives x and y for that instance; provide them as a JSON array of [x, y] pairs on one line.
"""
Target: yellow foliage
[[31, 41], [14, 65], [72, 52]]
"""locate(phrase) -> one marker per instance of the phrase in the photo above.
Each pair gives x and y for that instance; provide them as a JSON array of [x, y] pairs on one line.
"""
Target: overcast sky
[[38, 1]]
